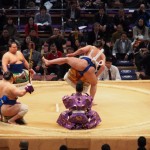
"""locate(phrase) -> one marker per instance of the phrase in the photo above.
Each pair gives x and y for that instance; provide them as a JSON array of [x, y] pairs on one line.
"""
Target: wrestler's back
[[6, 89], [93, 52], [1, 88]]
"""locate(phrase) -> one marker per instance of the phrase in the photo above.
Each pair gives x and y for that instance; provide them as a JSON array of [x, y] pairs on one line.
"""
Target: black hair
[[123, 33], [7, 75], [11, 41], [79, 86], [63, 147], [141, 141], [98, 43], [102, 7], [43, 8], [105, 147], [24, 145], [109, 59]]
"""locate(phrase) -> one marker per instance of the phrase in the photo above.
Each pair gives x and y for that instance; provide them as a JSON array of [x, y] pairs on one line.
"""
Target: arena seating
[[128, 74], [127, 70], [21, 16]]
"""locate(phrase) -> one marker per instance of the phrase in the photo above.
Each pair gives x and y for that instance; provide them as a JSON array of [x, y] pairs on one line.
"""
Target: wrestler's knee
[[23, 110], [66, 59]]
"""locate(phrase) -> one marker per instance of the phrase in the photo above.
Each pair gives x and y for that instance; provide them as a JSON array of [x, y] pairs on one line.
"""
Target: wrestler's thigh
[[90, 76], [77, 63], [10, 110]]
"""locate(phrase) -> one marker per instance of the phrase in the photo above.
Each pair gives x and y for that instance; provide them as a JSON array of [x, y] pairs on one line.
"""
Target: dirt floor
[[123, 107]]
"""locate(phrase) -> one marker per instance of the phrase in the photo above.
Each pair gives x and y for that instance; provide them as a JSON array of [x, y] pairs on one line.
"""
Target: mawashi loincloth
[[21, 77]]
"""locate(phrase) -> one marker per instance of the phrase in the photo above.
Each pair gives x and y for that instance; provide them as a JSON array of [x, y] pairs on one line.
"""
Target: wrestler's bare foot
[[45, 61], [12, 122]]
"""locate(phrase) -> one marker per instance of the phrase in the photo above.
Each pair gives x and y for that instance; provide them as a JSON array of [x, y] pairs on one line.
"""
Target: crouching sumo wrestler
[[12, 111], [79, 115]]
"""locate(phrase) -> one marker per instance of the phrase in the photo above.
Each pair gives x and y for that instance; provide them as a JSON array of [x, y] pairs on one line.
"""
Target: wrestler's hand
[[29, 88], [32, 71]]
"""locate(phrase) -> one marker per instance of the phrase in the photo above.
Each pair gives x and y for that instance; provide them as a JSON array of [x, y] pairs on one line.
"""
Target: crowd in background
[[124, 36], [141, 145], [57, 4]]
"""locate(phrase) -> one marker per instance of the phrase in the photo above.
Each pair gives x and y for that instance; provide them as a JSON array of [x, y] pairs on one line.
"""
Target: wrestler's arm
[[26, 64], [5, 62], [103, 59], [80, 51], [16, 92]]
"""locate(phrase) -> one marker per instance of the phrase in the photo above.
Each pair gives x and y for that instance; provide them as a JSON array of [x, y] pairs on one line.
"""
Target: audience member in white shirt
[[110, 72]]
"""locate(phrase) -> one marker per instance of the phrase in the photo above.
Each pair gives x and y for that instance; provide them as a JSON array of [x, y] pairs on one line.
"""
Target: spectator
[[72, 16], [76, 37], [122, 49], [43, 20], [116, 4], [58, 38], [53, 54], [24, 145], [110, 72], [63, 147], [36, 58], [105, 147], [140, 30], [123, 19], [4, 39], [107, 48], [36, 39], [141, 13], [12, 28], [66, 67], [24, 44], [133, 3], [102, 18], [3, 19], [30, 26], [141, 143], [96, 34], [87, 4], [145, 63], [116, 35], [57, 4], [98, 3], [31, 5], [140, 51], [45, 49]]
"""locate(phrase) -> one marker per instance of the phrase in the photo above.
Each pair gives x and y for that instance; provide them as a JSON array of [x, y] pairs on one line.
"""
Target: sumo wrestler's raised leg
[[76, 63], [58, 61]]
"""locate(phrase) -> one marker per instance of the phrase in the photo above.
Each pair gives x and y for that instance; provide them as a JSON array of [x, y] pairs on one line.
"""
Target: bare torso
[[94, 53], [6, 89], [16, 58]]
